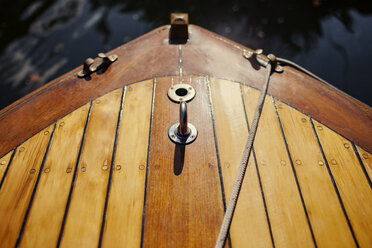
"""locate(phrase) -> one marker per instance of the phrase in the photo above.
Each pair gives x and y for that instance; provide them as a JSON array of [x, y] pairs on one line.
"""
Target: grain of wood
[[125, 206], [326, 216], [85, 213], [46, 215], [351, 181], [4, 163], [249, 227], [184, 205], [18, 185], [367, 160], [285, 210]]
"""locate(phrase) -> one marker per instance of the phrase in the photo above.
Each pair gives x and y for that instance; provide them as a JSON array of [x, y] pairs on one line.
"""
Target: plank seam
[[217, 151], [35, 188], [147, 162], [74, 176], [112, 167], [361, 164], [334, 183], [294, 172], [180, 61], [7, 168], [257, 170]]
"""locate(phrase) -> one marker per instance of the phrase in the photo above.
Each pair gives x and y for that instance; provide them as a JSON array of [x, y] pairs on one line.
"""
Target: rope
[[243, 164], [288, 62], [252, 133]]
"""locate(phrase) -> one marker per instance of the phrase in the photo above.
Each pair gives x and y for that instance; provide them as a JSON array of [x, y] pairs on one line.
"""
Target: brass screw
[[83, 169], [365, 156], [346, 145], [32, 171], [333, 161], [61, 124], [282, 162], [3, 162], [46, 170], [141, 167], [21, 149], [118, 167], [46, 132], [298, 162], [68, 170], [303, 120], [105, 167], [320, 162], [320, 128]]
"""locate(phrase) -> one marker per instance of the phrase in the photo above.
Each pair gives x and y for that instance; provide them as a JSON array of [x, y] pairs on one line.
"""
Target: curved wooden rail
[[206, 54]]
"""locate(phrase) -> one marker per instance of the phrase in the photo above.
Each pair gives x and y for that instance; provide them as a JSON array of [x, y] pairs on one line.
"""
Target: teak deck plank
[[125, 206], [84, 217], [45, 219], [286, 213], [366, 158], [351, 181], [325, 212], [4, 163], [184, 206], [249, 227], [15, 194]]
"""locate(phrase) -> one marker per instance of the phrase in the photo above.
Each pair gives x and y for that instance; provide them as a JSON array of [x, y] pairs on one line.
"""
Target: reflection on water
[[40, 40]]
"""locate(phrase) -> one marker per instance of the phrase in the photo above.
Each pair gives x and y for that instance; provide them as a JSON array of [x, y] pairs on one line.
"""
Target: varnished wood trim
[[205, 53]]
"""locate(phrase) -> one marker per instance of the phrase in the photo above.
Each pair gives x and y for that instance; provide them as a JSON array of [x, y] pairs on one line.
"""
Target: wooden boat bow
[[88, 161]]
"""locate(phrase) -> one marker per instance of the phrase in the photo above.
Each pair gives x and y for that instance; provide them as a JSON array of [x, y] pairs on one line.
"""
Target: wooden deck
[[107, 174]]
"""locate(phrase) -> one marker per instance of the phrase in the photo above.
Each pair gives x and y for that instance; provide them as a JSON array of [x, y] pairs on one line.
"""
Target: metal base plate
[[182, 140], [181, 92]]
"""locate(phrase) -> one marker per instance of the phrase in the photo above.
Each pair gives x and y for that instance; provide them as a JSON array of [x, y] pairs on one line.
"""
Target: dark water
[[40, 40]]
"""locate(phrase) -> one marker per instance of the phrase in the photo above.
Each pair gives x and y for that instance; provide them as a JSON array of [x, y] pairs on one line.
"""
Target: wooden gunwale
[[333, 108]]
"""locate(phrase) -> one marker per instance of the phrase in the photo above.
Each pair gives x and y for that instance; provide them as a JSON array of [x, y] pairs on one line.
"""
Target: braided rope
[[243, 164]]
